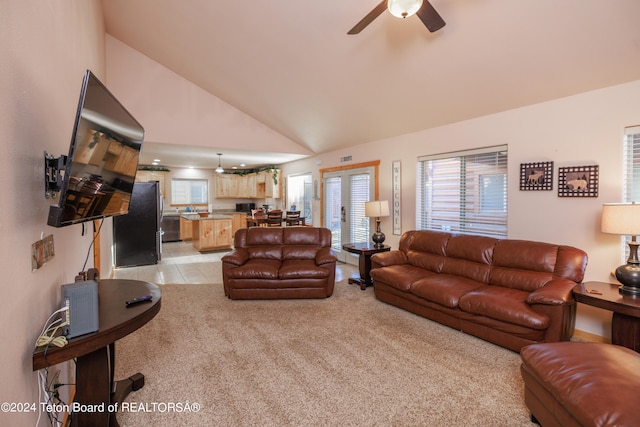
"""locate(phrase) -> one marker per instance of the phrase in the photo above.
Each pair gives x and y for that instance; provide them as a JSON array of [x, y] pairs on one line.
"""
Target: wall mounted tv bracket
[[53, 167]]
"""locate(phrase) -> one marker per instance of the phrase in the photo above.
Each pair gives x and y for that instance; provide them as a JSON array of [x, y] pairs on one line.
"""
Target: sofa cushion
[[299, 252], [427, 250], [400, 276], [256, 269], [302, 269], [444, 289], [505, 304], [523, 264], [469, 256], [307, 236]]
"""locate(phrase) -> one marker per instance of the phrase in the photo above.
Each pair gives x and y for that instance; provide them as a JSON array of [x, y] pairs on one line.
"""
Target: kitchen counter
[[196, 217], [212, 232]]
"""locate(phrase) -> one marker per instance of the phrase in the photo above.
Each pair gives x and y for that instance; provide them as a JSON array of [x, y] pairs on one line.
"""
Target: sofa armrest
[[325, 256], [554, 292], [236, 257], [383, 259]]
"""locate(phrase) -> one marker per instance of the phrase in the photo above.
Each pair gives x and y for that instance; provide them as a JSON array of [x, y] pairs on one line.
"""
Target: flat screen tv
[[96, 180]]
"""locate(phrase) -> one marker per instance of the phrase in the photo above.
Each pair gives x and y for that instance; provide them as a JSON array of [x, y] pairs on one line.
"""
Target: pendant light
[[403, 8], [219, 168]]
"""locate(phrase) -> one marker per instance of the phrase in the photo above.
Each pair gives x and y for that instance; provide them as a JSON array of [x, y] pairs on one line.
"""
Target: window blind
[[464, 192], [631, 176], [359, 195]]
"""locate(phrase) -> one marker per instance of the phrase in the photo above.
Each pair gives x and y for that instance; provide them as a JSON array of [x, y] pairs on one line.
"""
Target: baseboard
[[579, 335]]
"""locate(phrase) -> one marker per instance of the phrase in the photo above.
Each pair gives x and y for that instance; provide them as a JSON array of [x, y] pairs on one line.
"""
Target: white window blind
[[359, 195], [631, 177], [188, 191], [332, 204], [464, 192]]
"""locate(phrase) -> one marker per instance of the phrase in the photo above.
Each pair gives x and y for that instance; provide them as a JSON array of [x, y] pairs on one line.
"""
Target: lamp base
[[378, 237], [629, 276]]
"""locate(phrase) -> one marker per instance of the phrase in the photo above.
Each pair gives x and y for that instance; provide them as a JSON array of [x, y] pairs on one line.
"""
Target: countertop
[[190, 215], [196, 217]]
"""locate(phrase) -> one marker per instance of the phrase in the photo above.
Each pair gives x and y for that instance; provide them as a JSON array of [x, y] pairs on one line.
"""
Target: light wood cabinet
[[212, 234], [254, 185], [247, 186], [186, 229], [238, 221], [266, 187], [146, 176], [226, 186]]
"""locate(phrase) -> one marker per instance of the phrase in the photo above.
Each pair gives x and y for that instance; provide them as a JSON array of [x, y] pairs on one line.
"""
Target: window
[[631, 176], [189, 191], [631, 184], [464, 192], [299, 194], [359, 231]]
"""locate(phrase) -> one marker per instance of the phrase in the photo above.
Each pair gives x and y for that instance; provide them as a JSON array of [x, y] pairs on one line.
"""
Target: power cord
[[48, 334]]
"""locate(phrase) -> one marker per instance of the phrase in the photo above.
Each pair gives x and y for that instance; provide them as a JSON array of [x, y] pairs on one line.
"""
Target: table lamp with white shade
[[624, 219], [376, 209]]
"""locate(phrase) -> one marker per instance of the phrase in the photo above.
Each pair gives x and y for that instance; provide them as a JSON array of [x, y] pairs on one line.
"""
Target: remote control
[[138, 300]]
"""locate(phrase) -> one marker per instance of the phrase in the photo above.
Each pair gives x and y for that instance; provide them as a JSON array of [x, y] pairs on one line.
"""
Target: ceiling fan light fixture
[[403, 8], [219, 168]]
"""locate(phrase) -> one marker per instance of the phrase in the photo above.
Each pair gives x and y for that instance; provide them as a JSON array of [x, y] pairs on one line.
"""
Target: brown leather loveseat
[[280, 262], [509, 292]]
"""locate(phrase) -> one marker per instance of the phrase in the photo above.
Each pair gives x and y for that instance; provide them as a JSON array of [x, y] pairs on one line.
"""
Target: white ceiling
[[291, 65]]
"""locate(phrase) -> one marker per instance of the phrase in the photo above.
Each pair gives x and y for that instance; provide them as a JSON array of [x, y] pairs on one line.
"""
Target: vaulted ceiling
[[291, 65]]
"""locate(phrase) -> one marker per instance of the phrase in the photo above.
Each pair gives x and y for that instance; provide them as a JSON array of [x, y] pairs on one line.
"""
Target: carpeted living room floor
[[348, 360]]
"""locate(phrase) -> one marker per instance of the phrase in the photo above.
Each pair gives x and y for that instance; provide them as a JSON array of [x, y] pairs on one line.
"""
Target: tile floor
[[182, 264]]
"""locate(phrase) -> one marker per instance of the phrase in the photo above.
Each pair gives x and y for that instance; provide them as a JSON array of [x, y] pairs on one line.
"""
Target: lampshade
[[376, 209], [219, 168], [403, 8], [621, 218], [624, 218]]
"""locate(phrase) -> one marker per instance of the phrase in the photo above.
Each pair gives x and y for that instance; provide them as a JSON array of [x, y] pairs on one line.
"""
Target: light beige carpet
[[348, 360]]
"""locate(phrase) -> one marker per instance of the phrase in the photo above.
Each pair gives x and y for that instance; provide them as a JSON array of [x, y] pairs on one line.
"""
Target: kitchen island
[[211, 232]]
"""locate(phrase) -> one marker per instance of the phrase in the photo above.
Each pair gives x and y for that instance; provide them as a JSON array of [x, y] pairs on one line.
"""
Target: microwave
[[245, 207]]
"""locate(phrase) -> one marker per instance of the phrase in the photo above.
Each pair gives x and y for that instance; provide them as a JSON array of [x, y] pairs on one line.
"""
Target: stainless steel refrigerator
[[137, 235]]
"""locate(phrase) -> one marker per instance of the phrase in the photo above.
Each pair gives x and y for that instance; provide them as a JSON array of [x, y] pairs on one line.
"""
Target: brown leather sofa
[[581, 384], [280, 262], [509, 292]]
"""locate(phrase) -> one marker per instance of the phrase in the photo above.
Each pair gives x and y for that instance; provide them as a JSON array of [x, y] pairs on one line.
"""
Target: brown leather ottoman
[[581, 384]]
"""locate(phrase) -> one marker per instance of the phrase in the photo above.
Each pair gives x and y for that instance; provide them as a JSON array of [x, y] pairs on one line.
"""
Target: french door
[[344, 195]]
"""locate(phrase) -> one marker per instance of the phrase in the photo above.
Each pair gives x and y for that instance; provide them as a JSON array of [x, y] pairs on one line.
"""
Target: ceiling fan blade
[[429, 17], [369, 18]]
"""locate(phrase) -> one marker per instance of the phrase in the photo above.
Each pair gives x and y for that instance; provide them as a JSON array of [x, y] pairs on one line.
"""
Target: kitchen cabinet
[[238, 221], [214, 232], [247, 186], [186, 229], [254, 185], [266, 186], [145, 176], [226, 186]]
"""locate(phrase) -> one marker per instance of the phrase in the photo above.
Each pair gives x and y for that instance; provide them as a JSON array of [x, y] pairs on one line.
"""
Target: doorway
[[345, 191]]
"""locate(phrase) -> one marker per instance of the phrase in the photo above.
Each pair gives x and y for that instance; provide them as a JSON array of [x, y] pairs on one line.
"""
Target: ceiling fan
[[403, 9]]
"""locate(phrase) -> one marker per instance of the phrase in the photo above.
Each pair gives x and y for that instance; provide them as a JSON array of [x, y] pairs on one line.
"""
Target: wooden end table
[[365, 250], [95, 352], [625, 325]]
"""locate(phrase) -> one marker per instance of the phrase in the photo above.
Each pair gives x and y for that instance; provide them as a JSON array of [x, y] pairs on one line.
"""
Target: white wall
[[174, 110], [580, 130], [45, 47]]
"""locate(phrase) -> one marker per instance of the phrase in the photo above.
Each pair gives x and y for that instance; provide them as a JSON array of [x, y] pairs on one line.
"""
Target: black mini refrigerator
[[137, 235]]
